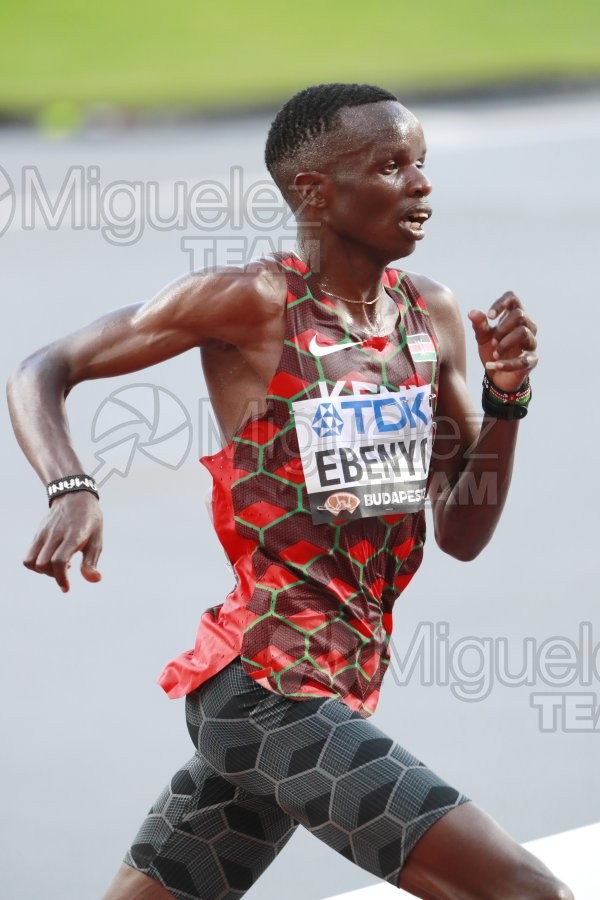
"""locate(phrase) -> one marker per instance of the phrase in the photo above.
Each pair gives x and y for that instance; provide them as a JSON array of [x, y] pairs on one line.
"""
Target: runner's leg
[[325, 766], [204, 838], [467, 855], [129, 884], [318, 763], [363, 794]]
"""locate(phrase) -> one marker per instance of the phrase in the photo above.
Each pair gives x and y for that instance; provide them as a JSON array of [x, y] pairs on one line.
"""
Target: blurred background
[[64, 61], [131, 144]]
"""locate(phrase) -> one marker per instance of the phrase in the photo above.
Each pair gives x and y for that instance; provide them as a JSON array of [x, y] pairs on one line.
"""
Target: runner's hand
[[73, 523], [506, 345]]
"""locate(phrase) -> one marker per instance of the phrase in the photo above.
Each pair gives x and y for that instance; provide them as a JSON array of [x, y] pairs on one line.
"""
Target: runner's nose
[[419, 185]]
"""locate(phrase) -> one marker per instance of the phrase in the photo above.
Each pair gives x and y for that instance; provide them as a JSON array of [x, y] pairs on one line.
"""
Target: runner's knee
[[538, 888], [560, 891], [130, 884], [529, 879]]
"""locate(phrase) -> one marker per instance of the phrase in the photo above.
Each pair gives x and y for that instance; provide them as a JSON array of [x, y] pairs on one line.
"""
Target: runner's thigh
[[326, 767], [206, 838]]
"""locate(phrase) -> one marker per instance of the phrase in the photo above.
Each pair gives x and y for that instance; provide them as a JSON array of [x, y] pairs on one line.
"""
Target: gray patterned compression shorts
[[265, 764]]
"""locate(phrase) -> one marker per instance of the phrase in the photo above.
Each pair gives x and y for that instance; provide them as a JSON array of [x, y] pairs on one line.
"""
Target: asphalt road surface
[[88, 738]]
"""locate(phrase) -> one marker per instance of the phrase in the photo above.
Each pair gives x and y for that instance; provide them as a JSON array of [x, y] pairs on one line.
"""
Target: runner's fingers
[[60, 563], [531, 325], [53, 560], [480, 325], [91, 554], [42, 561], [510, 320], [523, 363], [520, 339], [507, 301], [31, 557]]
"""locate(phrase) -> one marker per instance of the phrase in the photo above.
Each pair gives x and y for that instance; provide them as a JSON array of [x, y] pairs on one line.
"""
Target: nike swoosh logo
[[325, 349]]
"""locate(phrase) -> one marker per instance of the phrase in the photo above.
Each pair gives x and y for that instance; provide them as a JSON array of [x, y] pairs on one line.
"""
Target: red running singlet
[[311, 612]]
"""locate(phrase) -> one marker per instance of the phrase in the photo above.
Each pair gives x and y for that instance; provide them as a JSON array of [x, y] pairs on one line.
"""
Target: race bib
[[365, 454]]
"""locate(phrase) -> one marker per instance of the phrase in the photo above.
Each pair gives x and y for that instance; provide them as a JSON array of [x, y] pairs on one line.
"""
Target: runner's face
[[377, 188]]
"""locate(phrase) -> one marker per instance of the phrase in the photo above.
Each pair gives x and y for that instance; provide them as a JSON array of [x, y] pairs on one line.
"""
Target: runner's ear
[[308, 187]]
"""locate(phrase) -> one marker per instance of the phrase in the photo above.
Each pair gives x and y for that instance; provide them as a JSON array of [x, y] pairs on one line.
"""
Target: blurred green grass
[[229, 54]]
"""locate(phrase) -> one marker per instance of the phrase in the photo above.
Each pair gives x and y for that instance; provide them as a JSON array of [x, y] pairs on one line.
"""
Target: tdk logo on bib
[[370, 415], [373, 447]]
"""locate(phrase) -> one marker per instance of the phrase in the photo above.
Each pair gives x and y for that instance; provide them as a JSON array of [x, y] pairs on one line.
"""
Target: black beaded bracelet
[[68, 484], [504, 404], [508, 411]]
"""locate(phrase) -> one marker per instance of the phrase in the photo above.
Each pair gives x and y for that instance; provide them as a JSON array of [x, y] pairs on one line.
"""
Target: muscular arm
[[237, 307], [473, 455]]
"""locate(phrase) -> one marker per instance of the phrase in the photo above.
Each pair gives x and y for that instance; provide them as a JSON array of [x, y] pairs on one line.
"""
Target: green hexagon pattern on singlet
[[311, 612], [323, 593]]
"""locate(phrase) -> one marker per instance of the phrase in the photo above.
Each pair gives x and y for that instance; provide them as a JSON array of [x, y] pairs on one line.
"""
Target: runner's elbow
[[459, 546], [45, 366]]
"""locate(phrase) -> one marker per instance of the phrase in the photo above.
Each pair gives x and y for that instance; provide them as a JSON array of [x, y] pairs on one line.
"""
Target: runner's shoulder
[[229, 304], [251, 293], [437, 296], [268, 283], [439, 300]]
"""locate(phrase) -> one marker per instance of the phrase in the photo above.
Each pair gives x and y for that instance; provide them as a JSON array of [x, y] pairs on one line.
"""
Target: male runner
[[348, 366]]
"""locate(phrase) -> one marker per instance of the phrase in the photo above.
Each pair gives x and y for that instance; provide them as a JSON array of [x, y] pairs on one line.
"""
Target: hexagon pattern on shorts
[[266, 763]]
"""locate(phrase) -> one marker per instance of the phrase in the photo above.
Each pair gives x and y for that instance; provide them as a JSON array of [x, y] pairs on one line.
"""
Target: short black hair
[[310, 113]]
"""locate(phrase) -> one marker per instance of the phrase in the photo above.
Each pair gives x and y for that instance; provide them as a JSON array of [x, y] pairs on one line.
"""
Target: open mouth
[[414, 222]]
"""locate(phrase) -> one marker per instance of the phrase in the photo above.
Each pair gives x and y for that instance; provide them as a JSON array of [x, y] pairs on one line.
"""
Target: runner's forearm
[[36, 394], [467, 511]]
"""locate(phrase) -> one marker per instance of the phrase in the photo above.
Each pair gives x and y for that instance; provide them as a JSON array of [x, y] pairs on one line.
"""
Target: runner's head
[[303, 123], [348, 157]]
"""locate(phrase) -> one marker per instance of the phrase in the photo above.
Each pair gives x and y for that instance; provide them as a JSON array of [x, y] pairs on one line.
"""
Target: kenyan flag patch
[[422, 348]]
